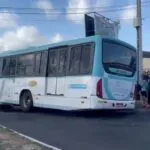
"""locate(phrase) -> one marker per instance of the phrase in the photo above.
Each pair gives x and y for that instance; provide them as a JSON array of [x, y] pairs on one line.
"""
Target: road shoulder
[[11, 140]]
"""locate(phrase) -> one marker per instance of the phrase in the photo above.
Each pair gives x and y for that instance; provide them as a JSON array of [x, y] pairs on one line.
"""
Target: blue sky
[[22, 30]]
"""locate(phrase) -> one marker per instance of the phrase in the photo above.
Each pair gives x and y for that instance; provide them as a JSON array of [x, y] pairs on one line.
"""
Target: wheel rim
[[27, 101]]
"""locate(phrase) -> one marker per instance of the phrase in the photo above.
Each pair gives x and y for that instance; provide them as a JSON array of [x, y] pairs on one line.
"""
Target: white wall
[[146, 63]]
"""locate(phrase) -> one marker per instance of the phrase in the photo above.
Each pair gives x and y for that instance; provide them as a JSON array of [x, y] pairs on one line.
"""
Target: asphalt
[[97, 130]]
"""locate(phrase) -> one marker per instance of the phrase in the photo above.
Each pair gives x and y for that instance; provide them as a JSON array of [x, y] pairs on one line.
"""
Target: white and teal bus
[[89, 73]]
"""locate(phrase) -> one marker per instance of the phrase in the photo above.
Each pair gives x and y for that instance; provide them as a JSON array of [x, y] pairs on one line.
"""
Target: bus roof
[[45, 47], [120, 41]]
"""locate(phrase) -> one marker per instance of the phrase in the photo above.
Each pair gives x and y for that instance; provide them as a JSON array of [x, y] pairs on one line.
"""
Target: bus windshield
[[118, 58]]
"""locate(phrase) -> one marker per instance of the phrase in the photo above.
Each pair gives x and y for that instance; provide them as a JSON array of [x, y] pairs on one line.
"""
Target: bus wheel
[[26, 101]]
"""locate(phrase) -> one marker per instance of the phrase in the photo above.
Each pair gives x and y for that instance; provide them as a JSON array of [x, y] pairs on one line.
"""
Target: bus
[[83, 74]]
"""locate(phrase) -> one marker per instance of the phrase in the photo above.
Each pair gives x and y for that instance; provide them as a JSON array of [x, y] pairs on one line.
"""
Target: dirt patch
[[12, 141]]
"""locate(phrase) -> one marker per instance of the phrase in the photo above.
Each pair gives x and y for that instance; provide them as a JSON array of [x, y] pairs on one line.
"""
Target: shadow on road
[[84, 114]]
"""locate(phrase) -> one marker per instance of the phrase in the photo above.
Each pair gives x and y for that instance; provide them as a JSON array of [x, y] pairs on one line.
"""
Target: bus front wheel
[[26, 101]]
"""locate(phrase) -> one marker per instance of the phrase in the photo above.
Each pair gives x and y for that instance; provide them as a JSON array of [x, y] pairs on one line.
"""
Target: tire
[[26, 101]]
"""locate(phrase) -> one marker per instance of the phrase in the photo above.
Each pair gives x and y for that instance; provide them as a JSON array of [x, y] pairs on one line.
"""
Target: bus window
[[62, 61], [5, 70], [43, 66], [81, 58], [74, 62], [1, 66], [53, 62], [118, 57], [25, 65], [12, 66], [85, 63], [37, 63]]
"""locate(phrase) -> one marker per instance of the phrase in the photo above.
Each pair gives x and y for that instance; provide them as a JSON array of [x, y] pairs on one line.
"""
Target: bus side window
[[74, 62], [43, 66], [38, 63], [25, 65], [29, 64], [6, 69], [12, 66], [53, 63], [86, 57], [1, 66], [41, 63], [62, 61]]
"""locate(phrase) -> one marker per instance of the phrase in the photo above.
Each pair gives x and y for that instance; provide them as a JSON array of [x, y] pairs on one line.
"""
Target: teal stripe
[[78, 86]]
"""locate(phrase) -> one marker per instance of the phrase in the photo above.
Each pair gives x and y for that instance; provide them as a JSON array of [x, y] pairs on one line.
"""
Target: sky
[[26, 23]]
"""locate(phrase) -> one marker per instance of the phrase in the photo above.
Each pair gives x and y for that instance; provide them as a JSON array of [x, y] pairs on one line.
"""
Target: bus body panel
[[51, 86], [97, 65], [75, 87], [117, 88], [78, 87], [77, 92], [109, 92], [8, 90], [63, 103], [74, 99], [60, 86], [34, 84]]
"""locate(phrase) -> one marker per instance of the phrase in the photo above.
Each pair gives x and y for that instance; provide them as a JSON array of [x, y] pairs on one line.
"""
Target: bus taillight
[[99, 90]]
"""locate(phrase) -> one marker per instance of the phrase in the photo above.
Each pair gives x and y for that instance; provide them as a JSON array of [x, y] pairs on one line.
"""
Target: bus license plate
[[119, 105]]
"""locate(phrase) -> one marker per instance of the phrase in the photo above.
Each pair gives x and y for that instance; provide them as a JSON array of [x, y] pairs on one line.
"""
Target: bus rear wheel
[[26, 101]]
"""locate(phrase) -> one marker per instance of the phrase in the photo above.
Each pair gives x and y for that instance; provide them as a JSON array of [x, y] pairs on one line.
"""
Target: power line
[[114, 9], [55, 11], [71, 13], [25, 8], [75, 20], [73, 8]]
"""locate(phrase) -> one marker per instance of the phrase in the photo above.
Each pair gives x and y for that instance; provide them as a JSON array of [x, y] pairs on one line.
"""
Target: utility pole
[[138, 26]]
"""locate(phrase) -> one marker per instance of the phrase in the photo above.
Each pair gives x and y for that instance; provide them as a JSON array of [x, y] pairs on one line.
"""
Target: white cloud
[[77, 8], [47, 7], [128, 14], [56, 38], [8, 19], [101, 5], [22, 37]]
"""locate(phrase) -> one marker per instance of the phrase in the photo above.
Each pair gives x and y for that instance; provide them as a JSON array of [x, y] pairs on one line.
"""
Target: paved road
[[72, 131]]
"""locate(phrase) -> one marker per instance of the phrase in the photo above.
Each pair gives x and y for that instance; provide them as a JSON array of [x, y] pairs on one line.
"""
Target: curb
[[31, 139]]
